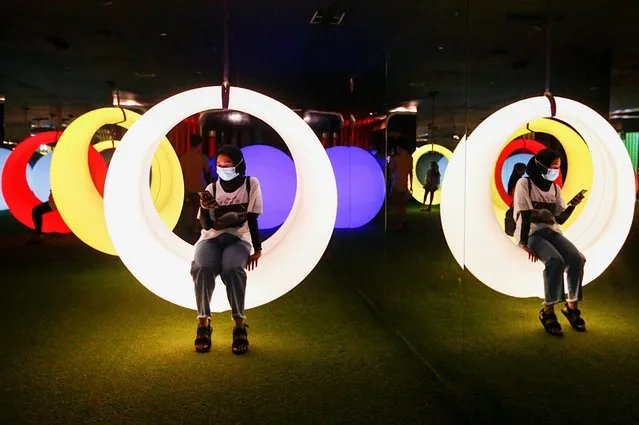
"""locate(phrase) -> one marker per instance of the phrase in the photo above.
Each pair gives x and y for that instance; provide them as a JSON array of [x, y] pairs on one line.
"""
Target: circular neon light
[[76, 197], [418, 189], [361, 187], [276, 172], [19, 197], [598, 232], [4, 154], [160, 260]]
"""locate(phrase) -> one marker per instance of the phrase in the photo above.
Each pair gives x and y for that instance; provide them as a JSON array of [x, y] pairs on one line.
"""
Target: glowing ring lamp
[[361, 186], [475, 237], [160, 260], [276, 172], [77, 199], [418, 189], [105, 145], [15, 188], [529, 146], [4, 154]]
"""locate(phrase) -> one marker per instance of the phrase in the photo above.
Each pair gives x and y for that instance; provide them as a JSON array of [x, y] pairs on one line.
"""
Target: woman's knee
[[232, 272], [556, 262], [578, 260], [198, 268]]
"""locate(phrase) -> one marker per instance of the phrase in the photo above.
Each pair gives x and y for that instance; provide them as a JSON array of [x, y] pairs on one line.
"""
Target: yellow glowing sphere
[[476, 239], [161, 261], [579, 162], [77, 199], [418, 189]]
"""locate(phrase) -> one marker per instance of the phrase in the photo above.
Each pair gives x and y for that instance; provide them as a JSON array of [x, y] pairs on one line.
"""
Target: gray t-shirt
[[522, 202], [240, 196]]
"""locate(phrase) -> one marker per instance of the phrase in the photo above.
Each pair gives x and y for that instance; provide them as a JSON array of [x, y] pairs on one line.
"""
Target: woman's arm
[[566, 210], [205, 219], [255, 231], [526, 217], [565, 214], [522, 204]]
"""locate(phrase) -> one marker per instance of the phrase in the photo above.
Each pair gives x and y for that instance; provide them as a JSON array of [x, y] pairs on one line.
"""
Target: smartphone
[[581, 193]]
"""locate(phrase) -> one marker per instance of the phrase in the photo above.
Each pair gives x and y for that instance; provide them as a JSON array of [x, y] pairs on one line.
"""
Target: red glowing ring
[[17, 193], [517, 146]]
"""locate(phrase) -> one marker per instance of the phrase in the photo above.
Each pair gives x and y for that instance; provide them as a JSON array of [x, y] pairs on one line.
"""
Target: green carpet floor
[[387, 329]]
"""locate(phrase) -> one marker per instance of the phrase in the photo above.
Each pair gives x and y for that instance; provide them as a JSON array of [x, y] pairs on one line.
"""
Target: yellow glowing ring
[[418, 189], [579, 163], [106, 144], [476, 239], [78, 201], [161, 261], [160, 197]]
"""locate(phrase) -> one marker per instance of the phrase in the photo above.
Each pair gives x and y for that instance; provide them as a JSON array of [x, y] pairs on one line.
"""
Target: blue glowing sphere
[[39, 178], [4, 154], [509, 165], [361, 188], [276, 172]]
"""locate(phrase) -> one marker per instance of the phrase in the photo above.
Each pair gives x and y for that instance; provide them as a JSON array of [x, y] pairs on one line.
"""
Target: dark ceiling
[[58, 57]]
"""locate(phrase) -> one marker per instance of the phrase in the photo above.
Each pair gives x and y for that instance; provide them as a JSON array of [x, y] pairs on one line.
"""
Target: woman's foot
[[203, 336], [550, 323], [574, 317], [240, 339]]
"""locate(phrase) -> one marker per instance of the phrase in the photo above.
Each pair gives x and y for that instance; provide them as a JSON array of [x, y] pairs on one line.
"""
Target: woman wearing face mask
[[229, 244], [540, 209]]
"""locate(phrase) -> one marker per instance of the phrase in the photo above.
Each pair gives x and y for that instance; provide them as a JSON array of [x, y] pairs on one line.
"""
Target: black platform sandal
[[240, 340], [574, 317], [203, 339], [550, 323]]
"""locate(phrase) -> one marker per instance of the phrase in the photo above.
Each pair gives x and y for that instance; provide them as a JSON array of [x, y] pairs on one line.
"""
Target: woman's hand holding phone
[[206, 200], [578, 198]]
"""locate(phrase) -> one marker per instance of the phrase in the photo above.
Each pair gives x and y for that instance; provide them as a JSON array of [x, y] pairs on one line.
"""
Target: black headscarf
[[538, 166], [237, 157]]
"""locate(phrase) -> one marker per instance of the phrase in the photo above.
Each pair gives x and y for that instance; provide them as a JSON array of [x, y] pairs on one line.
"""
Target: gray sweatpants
[[225, 256], [559, 255]]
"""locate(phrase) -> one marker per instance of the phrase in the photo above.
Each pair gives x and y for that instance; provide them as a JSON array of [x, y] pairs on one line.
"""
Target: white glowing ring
[[160, 260], [468, 220]]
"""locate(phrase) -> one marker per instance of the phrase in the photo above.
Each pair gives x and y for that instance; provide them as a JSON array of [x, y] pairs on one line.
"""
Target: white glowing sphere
[[160, 260], [473, 234]]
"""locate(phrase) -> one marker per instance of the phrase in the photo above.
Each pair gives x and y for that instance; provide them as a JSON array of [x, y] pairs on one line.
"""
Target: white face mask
[[552, 174], [228, 173]]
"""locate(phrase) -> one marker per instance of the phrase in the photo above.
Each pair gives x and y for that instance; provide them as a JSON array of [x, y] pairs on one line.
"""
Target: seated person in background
[[37, 213]]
